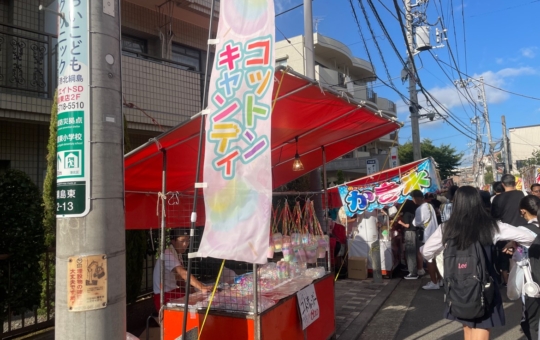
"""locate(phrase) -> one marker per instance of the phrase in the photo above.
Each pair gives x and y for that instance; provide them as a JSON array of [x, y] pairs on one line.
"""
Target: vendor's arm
[[182, 273], [433, 245]]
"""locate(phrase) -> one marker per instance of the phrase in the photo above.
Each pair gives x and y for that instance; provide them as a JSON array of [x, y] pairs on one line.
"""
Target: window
[[187, 56], [4, 165], [281, 62], [133, 46]]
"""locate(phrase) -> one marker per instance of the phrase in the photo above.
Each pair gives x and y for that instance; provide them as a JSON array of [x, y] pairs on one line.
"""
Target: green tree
[[49, 213], [21, 227], [446, 157], [488, 175]]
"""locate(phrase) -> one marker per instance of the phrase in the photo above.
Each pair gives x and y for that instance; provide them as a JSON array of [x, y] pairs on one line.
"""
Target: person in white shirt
[[426, 217], [175, 274]]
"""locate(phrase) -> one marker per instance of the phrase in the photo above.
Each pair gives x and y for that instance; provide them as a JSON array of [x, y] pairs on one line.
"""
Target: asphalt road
[[412, 313]]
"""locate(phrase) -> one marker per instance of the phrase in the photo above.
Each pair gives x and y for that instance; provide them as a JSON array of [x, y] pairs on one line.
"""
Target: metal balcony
[[28, 61]]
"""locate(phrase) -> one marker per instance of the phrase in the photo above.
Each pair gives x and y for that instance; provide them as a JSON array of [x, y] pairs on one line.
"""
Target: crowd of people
[[435, 229]]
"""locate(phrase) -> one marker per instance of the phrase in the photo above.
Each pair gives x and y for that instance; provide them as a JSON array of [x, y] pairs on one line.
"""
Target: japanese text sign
[[308, 305], [87, 282], [237, 165], [73, 138], [379, 194]]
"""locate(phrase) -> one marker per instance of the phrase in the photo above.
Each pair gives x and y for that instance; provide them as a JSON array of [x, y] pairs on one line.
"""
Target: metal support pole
[[309, 56], [197, 176], [325, 181], [413, 108], [163, 243], [93, 47], [256, 318], [505, 145]]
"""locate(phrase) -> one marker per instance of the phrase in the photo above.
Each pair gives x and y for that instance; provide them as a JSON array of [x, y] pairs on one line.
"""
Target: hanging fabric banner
[[377, 195], [237, 164]]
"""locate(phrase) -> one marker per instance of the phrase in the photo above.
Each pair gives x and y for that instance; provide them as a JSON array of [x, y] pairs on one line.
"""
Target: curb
[[359, 323]]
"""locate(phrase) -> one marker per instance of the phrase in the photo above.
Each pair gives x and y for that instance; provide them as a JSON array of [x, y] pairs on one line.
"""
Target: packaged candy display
[[299, 253], [276, 237], [288, 253], [311, 252], [315, 273]]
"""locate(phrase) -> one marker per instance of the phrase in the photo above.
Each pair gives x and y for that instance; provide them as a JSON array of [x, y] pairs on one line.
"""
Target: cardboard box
[[358, 268]]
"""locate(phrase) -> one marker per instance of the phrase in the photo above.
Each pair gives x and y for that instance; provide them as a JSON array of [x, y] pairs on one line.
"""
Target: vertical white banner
[[237, 164]]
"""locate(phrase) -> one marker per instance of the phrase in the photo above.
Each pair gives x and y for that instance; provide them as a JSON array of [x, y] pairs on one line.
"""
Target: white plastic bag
[[516, 279]]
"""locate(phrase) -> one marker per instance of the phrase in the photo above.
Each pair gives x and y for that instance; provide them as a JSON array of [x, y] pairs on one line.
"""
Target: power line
[[288, 10], [493, 86]]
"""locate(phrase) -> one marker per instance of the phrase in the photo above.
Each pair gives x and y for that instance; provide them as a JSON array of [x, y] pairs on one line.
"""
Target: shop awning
[[318, 116], [334, 200]]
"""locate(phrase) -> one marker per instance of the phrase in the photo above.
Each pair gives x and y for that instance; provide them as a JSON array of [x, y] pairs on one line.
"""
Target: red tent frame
[[328, 124]]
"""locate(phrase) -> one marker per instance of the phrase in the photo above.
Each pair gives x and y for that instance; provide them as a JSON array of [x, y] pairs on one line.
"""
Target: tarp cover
[[318, 116]]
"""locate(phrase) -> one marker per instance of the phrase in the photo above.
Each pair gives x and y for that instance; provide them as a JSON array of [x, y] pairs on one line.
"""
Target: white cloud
[[529, 52], [282, 5]]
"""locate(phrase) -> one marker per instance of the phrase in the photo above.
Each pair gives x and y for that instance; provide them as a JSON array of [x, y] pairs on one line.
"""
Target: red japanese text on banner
[[237, 165]]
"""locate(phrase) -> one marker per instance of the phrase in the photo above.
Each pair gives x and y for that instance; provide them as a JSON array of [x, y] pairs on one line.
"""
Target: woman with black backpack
[[472, 295]]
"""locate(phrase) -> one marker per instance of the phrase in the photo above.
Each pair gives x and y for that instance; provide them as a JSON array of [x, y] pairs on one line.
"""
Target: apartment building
[[336, 67], [524, 140], [164, 45]]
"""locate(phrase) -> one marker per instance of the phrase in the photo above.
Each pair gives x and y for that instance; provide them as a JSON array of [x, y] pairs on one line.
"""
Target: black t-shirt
[[505, 207]]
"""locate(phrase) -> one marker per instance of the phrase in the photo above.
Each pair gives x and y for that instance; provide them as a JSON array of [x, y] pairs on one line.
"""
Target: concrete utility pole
[[413, 108], [486, 119], [309, 55], [90, 249], [477, 162], [505, 145]]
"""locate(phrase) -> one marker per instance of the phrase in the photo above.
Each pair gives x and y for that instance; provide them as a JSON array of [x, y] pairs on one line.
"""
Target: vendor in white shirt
[[175, 274]]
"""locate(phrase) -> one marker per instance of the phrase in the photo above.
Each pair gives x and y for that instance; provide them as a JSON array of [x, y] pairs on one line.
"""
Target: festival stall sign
[[237, 158], [530, 175], [379, 194]]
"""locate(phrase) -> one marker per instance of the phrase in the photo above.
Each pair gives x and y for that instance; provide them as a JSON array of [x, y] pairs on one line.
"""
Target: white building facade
[[336, 67]]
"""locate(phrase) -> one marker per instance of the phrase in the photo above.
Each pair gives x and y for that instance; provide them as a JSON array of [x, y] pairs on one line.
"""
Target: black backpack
[[534, 253], [469, 289]]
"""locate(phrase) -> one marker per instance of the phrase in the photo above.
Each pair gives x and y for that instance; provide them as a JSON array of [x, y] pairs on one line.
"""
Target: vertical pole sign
[[73, 139]]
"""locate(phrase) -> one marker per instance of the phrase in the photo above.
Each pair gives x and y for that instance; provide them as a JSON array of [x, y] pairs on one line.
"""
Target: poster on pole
[[377, 194], [87, 282], [73, 137], [237, 164]]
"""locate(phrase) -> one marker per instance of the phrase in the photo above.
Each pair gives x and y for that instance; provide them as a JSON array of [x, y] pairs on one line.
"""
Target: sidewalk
[[357, 302]]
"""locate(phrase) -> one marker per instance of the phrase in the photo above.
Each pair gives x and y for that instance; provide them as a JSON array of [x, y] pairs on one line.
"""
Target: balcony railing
[[27, 61]]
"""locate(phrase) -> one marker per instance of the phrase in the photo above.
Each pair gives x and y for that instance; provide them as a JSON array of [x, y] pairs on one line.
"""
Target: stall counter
[[281, 321]]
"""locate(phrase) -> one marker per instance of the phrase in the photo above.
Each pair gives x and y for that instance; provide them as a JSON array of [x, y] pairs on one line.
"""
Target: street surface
[[412, 313]]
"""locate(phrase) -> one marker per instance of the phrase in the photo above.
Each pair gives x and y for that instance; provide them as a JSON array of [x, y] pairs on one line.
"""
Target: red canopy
[[334, 200], [319, 117]]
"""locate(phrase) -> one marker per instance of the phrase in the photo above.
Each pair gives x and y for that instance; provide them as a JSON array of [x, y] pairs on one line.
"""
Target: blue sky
[[498, 40]]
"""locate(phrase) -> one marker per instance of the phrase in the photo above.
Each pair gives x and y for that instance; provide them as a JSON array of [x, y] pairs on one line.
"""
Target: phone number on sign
[[71, 106]]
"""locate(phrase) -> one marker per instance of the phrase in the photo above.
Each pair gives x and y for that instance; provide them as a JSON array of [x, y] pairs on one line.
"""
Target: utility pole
[[505, 145], [309, 55], [486, 119], [90, 300], [477, 163], [413, 96]]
